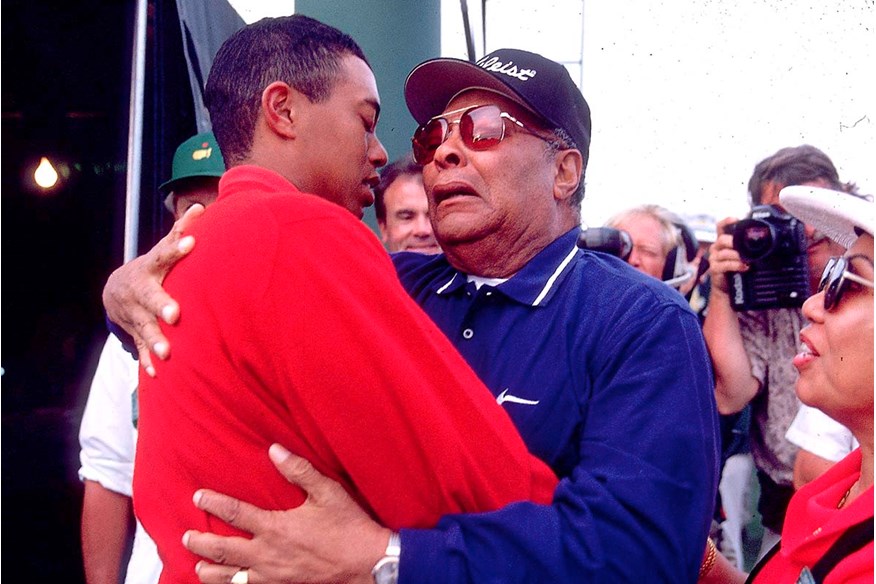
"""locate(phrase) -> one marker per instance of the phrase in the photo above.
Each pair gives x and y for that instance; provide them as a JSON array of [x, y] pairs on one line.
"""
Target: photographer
[[751, 350], [662, 245]]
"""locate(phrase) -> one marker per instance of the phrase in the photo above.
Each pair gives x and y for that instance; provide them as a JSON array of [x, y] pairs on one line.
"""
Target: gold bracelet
[[709, 560]]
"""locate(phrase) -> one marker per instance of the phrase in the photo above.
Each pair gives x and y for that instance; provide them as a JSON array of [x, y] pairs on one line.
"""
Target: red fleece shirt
[[813, 524], [294, 329]]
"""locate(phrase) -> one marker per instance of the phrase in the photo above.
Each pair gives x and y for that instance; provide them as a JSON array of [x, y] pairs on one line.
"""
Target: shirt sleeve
[[637, 506], [753, 326], [125, 339], [816, 432], [106, 434]]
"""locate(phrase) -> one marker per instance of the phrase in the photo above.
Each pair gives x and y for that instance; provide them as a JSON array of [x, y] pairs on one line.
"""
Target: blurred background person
[[108, 433], [663, 246], [752, 349], [402, 209], [828, 533], [197, 167], [735, 507], [703, 227]]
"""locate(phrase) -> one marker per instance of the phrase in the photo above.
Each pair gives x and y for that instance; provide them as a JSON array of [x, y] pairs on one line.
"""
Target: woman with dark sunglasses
[[828, 531]]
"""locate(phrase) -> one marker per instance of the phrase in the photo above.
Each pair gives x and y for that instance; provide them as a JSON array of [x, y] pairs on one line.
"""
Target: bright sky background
[[688, 95]]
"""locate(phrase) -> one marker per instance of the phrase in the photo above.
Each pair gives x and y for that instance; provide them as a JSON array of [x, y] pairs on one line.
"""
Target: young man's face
[[341, 149], [407, 226]]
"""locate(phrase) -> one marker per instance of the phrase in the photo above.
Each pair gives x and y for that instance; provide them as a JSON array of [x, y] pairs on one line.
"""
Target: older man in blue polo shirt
[[603, 370]]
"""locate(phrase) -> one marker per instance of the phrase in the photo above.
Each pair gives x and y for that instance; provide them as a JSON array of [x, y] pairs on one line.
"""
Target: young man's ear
[[569, 164], [279, 106]]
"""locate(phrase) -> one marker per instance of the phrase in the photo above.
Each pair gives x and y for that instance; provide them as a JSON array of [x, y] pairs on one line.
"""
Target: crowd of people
[[490, 401]]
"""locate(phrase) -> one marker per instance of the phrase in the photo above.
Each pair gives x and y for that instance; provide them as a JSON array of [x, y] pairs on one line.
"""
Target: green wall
[[395, 35]]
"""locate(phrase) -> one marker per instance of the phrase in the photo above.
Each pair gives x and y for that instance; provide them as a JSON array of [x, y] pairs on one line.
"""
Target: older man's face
[[504, 194]]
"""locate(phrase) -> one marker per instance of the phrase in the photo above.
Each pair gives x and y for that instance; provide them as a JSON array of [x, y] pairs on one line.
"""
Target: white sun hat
[[840, 216]]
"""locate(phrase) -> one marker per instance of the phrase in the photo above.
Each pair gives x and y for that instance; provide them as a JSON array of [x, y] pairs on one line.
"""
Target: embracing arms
[[133, 296]]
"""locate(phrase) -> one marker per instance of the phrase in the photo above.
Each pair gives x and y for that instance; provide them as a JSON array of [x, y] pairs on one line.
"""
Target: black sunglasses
[[481, 127], [836, 276]]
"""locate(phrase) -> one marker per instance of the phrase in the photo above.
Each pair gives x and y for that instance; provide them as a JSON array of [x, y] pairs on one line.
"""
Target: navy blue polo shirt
[[605, 374]]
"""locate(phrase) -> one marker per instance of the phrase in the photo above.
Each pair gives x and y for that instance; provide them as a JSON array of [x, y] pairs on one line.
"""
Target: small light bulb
[[45, 175]]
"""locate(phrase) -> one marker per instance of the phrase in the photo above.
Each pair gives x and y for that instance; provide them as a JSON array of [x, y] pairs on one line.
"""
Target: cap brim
[[840, 216], [166, 187], [432, 84]]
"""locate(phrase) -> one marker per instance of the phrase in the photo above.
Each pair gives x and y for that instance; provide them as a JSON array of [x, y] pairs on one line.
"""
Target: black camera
[[773, 244], [607, 240]]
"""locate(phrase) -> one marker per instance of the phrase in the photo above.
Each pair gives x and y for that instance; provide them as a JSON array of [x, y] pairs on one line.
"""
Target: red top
[[295, 329], [813, 524]]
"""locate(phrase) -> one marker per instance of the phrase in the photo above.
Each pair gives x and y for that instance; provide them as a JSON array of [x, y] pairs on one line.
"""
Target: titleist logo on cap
[[493, 64]]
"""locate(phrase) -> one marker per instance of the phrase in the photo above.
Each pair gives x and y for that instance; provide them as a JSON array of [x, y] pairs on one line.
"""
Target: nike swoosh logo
[[505, 397]]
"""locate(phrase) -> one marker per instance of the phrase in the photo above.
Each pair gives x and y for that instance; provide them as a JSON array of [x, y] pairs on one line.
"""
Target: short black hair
[[298, 50], [404, 166]]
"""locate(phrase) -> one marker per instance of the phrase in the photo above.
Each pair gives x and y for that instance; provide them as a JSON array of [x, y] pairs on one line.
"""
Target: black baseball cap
[[538, 84]]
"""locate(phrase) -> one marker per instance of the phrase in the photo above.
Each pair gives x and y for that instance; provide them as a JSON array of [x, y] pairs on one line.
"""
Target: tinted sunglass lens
[[833, 285], [482, 128], [427, 139], [825, 274], [422, 156]]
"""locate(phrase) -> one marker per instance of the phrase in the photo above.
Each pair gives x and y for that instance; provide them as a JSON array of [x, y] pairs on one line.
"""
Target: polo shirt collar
[[536, 283], [248, 177]]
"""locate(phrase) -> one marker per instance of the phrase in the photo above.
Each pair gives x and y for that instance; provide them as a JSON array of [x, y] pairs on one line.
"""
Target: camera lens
[[753, 239], [757, 238], [607, 240]]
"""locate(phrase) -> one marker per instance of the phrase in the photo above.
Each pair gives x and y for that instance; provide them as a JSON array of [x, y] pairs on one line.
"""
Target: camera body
[[774, 245]]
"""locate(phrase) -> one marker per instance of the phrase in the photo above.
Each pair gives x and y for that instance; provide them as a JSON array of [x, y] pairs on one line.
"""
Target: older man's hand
[[133, 296], [329, 538]]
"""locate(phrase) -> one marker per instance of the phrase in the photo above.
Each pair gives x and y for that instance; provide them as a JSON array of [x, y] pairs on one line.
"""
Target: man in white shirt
[[822, 440], [108, 435]]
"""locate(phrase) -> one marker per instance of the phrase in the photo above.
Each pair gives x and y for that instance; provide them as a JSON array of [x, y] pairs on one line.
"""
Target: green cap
[[197, 156]]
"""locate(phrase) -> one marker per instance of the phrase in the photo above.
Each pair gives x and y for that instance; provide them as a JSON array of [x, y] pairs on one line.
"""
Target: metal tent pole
[[469, 41], [135, 133]]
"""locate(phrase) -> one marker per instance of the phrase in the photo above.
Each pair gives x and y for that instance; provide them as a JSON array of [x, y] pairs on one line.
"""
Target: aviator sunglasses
[[481, 127], [835, 279]]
